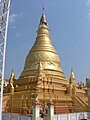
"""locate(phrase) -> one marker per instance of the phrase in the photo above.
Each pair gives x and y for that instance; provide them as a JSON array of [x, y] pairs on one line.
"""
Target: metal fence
[[10, 116], [15, 117], [71, 116]]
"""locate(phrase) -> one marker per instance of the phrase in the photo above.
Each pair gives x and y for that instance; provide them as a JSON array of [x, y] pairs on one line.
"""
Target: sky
[[69, 24]]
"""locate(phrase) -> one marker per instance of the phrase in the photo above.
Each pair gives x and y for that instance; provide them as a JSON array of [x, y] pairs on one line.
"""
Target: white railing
[[71, 116], [15, 117]]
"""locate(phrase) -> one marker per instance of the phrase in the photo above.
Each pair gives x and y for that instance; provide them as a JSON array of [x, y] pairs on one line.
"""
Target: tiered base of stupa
[[51, 88]]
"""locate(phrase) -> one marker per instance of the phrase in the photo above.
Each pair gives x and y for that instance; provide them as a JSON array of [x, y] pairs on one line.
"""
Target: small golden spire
[[72, 74], [12, 74], [72, 79], [11, 82], [12, 77]]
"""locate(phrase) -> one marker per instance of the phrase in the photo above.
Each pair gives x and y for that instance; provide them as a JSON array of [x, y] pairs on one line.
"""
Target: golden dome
[[42, 52]]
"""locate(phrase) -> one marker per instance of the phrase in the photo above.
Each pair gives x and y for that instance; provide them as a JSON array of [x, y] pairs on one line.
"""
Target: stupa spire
[[43, 18], [43, 51]]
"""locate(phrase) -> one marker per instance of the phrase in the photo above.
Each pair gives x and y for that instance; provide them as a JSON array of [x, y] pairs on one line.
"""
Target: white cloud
[[12, 18], [88, 4], [89, 14]]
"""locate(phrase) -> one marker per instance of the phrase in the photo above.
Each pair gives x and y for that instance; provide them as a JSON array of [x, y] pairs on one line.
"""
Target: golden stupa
[[43, 78]]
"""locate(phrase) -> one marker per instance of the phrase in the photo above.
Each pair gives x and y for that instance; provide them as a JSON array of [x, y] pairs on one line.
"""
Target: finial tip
[[43, 10]]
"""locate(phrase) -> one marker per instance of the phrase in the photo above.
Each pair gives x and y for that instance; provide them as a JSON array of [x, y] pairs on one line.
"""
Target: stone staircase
[[5, 102], [82, 101], [80, 104]]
